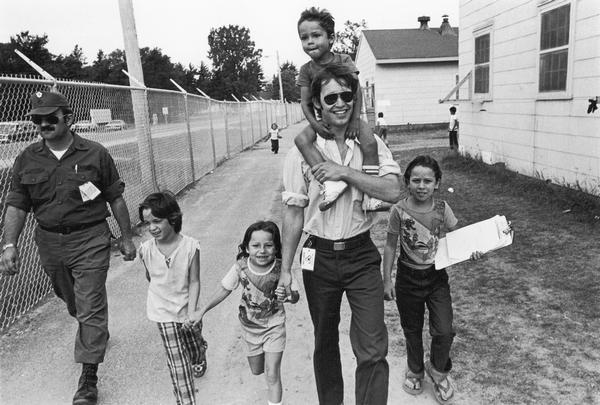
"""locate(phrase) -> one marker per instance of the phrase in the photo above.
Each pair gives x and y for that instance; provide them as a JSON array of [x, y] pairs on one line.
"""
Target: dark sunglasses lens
[[50, 119], [347, 96], [331, 99]]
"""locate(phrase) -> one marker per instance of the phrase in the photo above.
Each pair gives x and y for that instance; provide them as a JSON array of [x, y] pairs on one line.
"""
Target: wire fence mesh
[[159, 140]]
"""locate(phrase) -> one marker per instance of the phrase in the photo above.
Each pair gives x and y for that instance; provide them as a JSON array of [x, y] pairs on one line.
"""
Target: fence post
[[248, 105], [189, 131], [226, 130], [239, 108]]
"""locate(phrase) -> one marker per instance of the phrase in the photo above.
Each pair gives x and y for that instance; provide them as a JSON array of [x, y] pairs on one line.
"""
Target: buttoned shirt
[[346, 217], [50, 187]]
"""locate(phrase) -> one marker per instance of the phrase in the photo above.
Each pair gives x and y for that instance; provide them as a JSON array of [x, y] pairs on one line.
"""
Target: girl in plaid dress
[[172, 262], [261, 311]]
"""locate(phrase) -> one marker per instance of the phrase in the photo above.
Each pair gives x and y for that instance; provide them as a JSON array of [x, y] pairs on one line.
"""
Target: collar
[[78, 143], [321, 142]]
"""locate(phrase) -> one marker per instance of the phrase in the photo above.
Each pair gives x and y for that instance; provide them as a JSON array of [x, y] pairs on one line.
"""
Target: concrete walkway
[[36, 354]]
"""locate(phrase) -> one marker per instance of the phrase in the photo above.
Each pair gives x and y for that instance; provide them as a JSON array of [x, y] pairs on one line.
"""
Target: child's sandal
[[199, 369], [442, 386], [413, 382]]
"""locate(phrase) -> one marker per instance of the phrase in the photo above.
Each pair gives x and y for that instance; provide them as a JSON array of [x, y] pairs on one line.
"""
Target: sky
[[180, 28]]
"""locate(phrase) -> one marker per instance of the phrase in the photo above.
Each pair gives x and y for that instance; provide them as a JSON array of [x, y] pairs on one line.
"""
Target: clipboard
[[485, 236]]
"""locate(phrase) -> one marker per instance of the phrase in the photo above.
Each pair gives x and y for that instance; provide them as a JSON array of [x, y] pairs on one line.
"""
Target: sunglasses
[[346, 96], [50, 119]]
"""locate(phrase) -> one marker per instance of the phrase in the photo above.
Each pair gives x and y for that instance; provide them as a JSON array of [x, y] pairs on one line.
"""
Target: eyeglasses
[[346, 97], [50, 119]]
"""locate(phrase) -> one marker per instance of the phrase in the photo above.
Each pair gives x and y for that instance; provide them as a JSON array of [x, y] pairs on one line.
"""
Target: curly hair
[[320, 15]]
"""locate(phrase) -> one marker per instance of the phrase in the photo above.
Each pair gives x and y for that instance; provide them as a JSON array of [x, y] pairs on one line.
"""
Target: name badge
[[88, 191], [308, 259]]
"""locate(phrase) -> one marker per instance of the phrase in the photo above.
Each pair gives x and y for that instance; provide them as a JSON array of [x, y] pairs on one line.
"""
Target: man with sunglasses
[[66, 181], [338, 255]]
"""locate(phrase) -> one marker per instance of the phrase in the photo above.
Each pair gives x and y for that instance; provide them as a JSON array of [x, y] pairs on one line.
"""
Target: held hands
[[292, 298], [328, 170], [193, 320], [389, 293], [9, 262], [127, 249]]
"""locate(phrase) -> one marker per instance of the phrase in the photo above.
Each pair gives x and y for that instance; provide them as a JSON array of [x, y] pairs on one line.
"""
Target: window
[[482, 64], [554, 49]]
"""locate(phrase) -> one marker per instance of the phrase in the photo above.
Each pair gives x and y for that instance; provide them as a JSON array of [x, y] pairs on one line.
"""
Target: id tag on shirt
[[308, 259], [88, 191]]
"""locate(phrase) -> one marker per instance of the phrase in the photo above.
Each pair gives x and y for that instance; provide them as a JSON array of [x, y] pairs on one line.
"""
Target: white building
[[404, 71], [533, 66]]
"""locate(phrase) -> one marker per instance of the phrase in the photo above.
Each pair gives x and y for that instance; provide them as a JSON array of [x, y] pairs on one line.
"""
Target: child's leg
[[273, 376], [179, 363], [368, 147], [439, 304], [305, 141], [410, 300], [257, 363]]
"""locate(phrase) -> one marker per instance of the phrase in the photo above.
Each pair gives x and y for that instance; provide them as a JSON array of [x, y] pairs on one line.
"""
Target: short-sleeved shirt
[[419, 232], [168, 291], [274, 133], [259, 307], [50, 187], [345, 218], [453, 122], [310, 68]]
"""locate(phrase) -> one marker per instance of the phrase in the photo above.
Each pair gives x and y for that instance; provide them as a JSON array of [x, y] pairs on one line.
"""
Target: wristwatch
[[8, 245]]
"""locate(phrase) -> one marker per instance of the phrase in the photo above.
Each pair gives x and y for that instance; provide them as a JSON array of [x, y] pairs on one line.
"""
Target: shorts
[[271, 340]]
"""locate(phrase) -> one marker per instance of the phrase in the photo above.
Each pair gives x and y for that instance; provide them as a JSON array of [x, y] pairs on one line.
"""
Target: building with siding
[[404, 71], [533, 67]]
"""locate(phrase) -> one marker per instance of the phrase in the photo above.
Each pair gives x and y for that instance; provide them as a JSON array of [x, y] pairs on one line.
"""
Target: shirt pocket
[[76, 179], [38, 185]]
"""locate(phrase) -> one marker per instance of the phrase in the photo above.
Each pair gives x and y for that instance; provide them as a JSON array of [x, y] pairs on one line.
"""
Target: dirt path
[[37, 367]]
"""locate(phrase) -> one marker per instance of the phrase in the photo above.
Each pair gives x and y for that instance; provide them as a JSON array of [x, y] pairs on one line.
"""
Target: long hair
[[267, 226]]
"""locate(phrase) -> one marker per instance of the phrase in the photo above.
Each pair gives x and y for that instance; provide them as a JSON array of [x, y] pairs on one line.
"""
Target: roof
[[399, 44]]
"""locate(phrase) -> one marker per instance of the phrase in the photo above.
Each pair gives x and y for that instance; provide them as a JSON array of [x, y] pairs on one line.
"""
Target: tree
[[70, 66], [291, 92], [32, 46], [347, 40], [236, 62]]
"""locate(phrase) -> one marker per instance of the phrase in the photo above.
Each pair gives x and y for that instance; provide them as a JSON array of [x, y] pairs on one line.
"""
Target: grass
[[526, 316]]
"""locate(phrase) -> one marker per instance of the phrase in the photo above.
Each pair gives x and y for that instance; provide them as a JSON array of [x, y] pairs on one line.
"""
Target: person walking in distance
[[275, 137], [67, 181]]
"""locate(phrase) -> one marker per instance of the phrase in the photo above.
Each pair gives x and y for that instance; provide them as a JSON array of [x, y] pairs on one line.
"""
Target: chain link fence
[[159, 139]]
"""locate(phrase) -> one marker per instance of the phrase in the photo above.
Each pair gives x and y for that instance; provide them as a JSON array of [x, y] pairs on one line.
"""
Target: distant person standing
[[66, 181], [275, 137], [381, 127], [453, 129]]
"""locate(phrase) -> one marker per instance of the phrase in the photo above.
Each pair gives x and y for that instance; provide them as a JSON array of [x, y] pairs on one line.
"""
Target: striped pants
[[184, 348]]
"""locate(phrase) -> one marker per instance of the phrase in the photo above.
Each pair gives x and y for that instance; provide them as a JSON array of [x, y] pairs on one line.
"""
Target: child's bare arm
[[389, 255], [305, 141], [194, 286], [306, 103], [215, 300], [354, 127]]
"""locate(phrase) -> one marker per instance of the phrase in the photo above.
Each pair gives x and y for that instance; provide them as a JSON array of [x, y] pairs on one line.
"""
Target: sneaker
[[443, 388], [199, 369], [87, 392], [374, 204], [332, 190]]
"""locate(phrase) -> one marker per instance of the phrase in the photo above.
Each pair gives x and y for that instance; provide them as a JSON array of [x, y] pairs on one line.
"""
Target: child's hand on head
[[323, 131], [353, 129]]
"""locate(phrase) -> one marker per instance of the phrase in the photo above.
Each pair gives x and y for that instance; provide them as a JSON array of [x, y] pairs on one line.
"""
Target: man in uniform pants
[[66, 181]]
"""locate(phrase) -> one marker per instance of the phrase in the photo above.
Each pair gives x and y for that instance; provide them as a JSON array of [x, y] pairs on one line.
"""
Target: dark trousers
[[77, 264], [415, 290], [274, 145], [357, 273], [453, 135]]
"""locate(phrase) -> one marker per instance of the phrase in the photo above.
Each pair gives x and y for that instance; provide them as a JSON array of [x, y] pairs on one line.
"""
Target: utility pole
[[281, 88], [139, 98]]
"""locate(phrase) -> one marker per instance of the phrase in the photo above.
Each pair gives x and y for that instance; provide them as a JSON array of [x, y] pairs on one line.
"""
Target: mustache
[[47, 128]]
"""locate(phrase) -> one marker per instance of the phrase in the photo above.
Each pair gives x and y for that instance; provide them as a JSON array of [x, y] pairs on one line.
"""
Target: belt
[[66, 229], [342, 244]]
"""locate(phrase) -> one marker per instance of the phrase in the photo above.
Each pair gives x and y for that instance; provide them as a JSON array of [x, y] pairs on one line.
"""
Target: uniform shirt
[[168, 291], [419, 232], [310, 69], [259, 307], [50, 186], [346, 217]]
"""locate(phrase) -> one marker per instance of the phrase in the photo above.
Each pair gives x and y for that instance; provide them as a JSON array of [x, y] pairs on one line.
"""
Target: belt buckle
[[339, 245]]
